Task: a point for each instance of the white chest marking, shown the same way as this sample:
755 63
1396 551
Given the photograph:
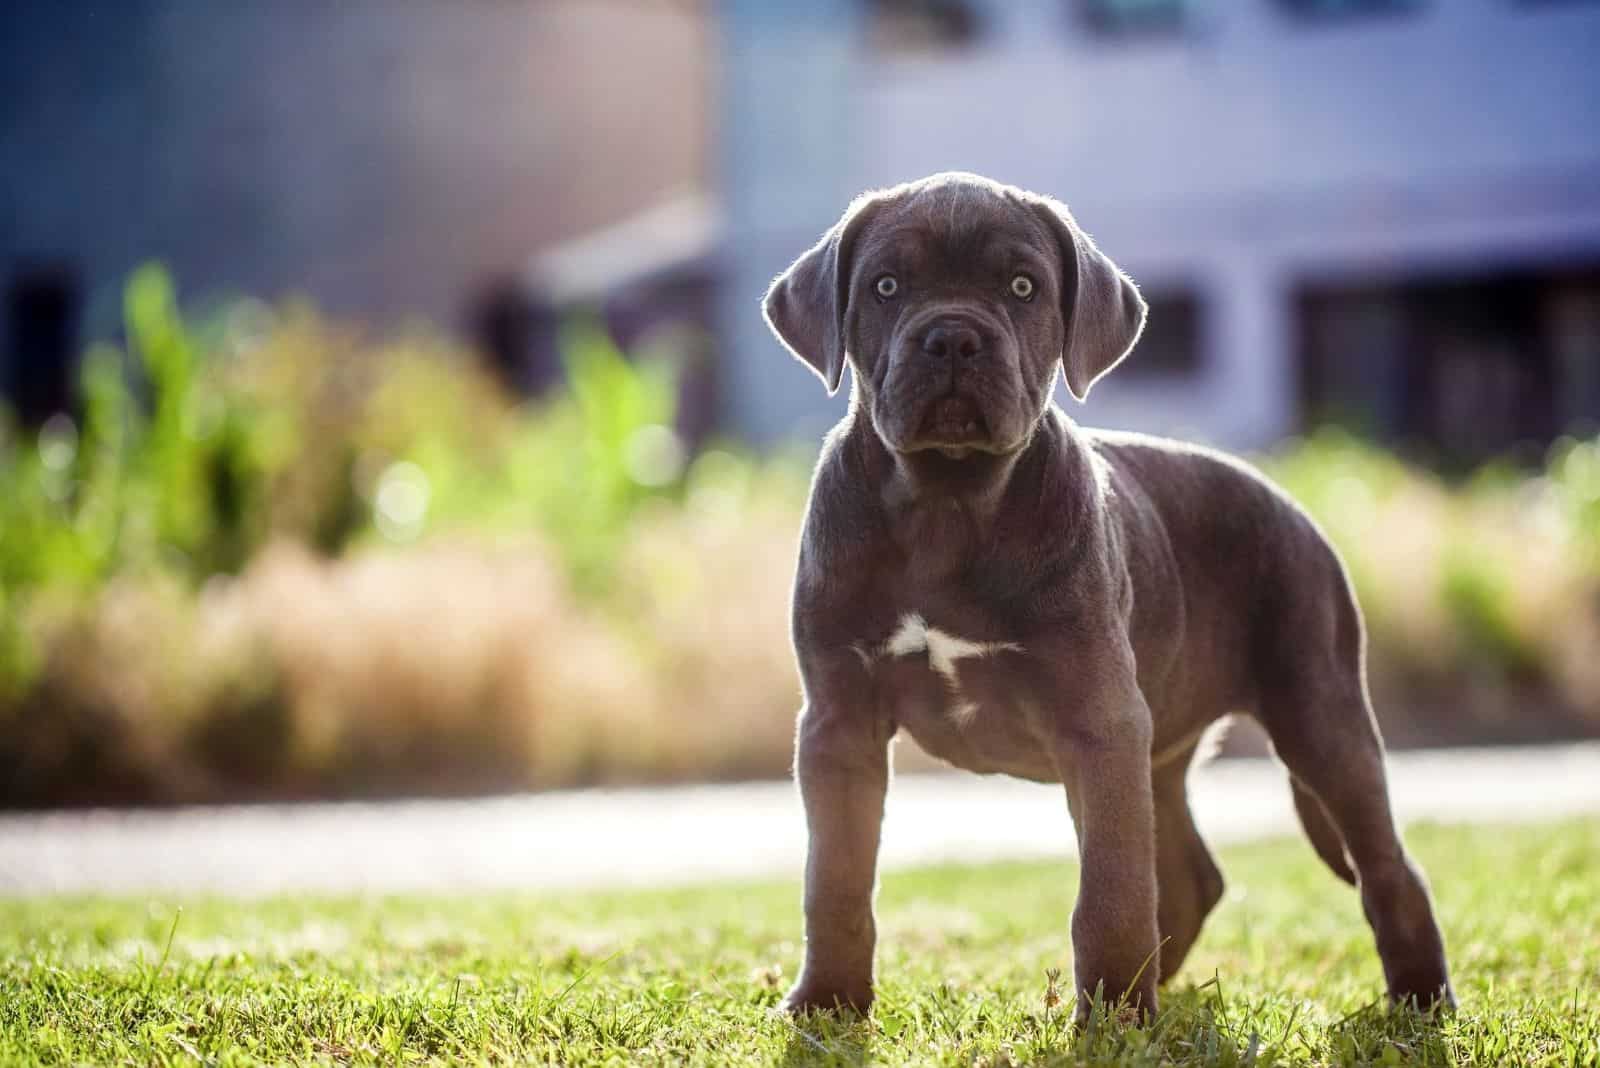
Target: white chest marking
944 652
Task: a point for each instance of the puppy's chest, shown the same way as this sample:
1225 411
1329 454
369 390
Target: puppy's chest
963 699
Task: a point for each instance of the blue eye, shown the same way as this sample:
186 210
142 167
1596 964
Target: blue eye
886 286
1022 287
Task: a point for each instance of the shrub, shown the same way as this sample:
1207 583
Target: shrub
282 559
277 558
1482 600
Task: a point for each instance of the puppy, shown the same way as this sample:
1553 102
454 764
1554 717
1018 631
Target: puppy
1027 597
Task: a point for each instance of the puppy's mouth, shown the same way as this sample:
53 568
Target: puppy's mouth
954 425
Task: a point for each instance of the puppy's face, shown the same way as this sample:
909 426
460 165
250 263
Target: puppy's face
953 319
957 300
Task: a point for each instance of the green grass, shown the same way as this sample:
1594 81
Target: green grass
1284 973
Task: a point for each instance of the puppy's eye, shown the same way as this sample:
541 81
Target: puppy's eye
1022 287
886 286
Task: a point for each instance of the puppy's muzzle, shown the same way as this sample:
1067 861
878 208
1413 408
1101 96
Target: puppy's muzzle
954 348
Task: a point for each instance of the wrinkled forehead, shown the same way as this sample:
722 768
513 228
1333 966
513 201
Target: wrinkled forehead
955 225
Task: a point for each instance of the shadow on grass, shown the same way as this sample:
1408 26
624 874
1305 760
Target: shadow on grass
1194 1028
1378 1032
825 1040
1193 1031
1198 1026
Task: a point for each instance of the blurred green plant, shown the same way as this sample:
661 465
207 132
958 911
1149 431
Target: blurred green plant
1574 477
574 467
175 482
1494 578
198 444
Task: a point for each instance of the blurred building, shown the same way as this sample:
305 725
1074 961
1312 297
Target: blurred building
1382 211
1385 212
391 160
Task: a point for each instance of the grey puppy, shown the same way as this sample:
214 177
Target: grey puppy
1024 596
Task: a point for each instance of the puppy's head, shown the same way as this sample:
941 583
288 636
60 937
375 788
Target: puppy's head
956 299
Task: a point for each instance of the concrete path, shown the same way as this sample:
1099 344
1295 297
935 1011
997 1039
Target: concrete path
696 834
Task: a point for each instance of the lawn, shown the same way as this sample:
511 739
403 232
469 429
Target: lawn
1284 973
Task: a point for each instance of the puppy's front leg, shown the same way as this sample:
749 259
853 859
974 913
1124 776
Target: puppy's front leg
842 764
1104 759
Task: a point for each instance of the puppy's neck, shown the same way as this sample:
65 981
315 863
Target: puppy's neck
914 488
976 482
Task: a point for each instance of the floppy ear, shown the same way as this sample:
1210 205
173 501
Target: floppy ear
806 304
1100 307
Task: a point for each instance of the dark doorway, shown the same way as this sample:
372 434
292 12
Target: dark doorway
1456 369
43 304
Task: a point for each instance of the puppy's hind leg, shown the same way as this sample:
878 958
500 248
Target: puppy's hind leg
1309 658
1325 837
1326 735
1188 884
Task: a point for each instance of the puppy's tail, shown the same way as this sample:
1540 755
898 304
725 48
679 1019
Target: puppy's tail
1325 837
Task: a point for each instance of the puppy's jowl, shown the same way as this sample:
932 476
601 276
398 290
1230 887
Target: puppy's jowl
1024 596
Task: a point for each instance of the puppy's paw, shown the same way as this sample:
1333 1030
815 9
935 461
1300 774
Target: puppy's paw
1136 1009
1426 996
809 997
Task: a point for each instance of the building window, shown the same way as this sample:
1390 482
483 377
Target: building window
1170 344
911 26
1343 8
1457 369
1133 16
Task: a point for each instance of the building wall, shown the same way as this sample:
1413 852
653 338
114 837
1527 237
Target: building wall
383 158
789 100
1247 153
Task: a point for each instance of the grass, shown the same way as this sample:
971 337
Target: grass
1284 974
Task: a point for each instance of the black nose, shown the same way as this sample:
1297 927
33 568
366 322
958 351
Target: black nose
950 340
